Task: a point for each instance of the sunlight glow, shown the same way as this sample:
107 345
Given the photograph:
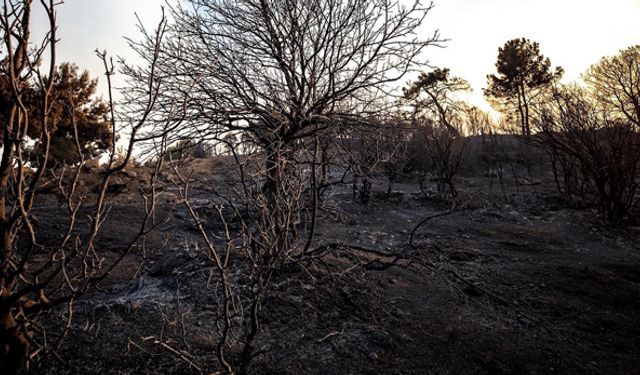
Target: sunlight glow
572 33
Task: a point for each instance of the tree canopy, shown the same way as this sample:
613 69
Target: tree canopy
615 83
521 70
439 87
279 69
73 99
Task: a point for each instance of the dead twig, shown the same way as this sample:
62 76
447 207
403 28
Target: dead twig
330 335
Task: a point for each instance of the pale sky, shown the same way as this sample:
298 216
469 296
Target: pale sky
572 33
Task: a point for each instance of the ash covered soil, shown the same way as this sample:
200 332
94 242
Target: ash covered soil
525 285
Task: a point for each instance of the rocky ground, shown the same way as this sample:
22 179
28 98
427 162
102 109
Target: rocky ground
523 286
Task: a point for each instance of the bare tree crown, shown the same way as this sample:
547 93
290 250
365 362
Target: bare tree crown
285 65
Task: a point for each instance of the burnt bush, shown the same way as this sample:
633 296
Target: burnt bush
595 157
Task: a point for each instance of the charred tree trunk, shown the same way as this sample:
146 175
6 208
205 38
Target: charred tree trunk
14 344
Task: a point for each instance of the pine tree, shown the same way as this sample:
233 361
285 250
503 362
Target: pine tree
522 71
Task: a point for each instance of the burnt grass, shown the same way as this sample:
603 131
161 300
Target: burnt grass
522 286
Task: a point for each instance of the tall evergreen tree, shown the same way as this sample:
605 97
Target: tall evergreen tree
73 98
521 71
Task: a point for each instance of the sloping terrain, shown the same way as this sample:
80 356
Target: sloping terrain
528 287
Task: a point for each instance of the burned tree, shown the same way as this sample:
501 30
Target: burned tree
439 115
599 153
282 71
439 100
615 82
38 275
279 75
